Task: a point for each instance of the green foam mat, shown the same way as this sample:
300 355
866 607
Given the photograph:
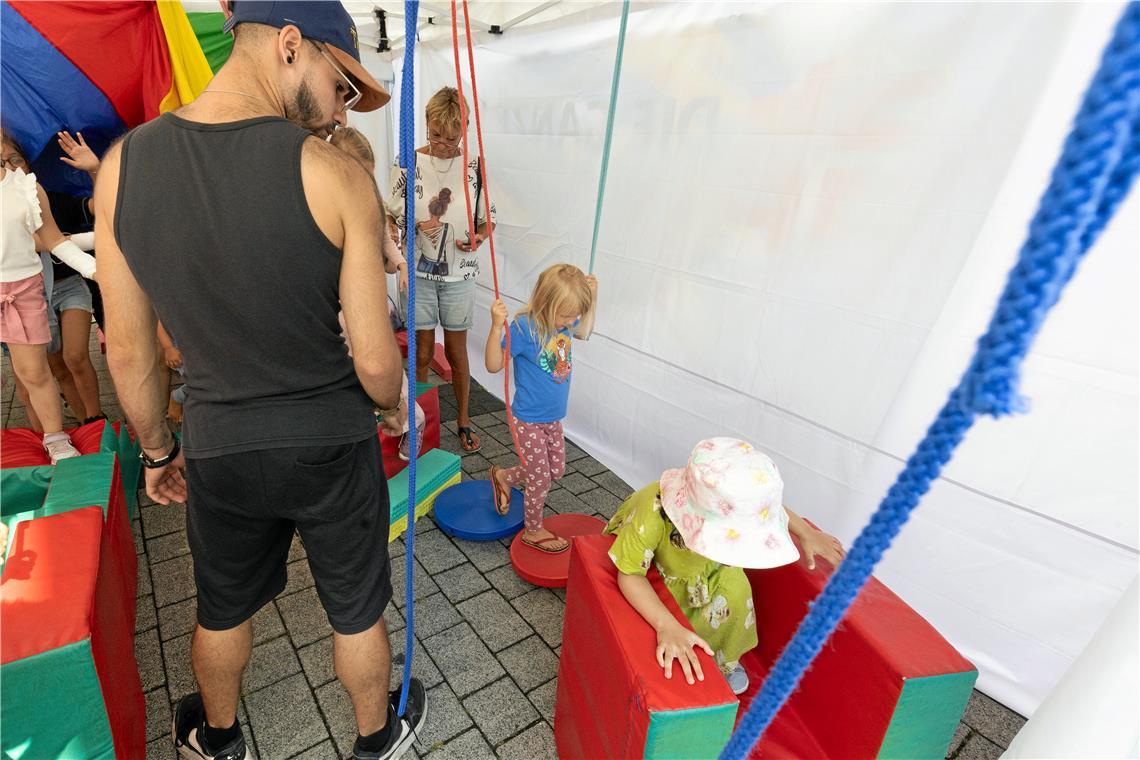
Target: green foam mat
700 732
433 470
926 715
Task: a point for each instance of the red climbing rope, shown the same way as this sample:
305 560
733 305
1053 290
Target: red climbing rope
481 165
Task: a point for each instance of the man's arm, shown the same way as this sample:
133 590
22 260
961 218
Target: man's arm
132 351
345 204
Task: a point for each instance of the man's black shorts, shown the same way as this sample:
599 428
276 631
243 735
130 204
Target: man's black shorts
241 512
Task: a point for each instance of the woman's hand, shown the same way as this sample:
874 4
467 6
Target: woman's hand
675 642
78 154
466 246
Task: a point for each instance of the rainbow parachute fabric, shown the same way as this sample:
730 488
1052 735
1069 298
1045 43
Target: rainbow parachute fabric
96 67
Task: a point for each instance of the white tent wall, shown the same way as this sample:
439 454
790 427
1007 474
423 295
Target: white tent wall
810 211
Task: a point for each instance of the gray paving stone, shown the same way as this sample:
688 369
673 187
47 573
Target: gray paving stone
446 719
304 618
396 548
536 743
468 746
494 620
142 582
178 618
285 718
422 666
299 577
323 751
961 733
148 655
500 710
563 502
179 675
317 662
978 747
136 534
474 464
589 466
573 452
614 485
266 624
269 663
484 555
501 432
436 552
435 614
296 549
161 519
464 660
157 714
161 749
543 698
576 483
506 458
173 580
991 719
337 709
543 610
145 615
508 582
462 582
530 662
601 501
167 547
423 584
424 526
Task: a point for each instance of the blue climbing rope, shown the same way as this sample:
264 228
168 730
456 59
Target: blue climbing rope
408 162
1098 164
609 132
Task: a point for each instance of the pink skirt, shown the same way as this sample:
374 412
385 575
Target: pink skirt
23 312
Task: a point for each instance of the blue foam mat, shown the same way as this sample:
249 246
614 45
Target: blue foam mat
467 510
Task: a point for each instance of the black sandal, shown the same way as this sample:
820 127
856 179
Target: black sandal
467 440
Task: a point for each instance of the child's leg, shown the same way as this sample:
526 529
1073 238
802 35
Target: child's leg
556 450
536 473
728 621
29 363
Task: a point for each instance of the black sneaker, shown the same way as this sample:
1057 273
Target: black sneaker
405 730
188 731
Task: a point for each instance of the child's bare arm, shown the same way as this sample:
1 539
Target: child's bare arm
494 355
814 542
674 641
586 326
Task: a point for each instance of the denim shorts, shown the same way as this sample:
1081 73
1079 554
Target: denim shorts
66 294
450 304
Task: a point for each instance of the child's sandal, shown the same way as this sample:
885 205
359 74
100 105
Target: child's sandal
541 544
502 495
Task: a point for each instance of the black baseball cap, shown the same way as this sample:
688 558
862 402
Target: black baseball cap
325 21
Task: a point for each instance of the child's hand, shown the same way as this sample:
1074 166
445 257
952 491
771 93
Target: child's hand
498 313
172 356
402 278
592 282
817 543
677 642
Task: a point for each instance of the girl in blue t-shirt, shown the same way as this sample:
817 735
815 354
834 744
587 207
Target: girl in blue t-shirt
560 309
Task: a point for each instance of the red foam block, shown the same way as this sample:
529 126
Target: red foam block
21 447
390 445
552 570
609 682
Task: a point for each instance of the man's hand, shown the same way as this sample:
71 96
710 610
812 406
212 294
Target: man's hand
167 484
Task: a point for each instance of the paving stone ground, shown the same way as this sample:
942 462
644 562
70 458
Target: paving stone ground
487 642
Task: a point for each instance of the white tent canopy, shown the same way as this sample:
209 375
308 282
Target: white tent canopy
810 212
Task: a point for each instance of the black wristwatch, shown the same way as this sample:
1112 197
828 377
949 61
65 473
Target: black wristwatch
154 464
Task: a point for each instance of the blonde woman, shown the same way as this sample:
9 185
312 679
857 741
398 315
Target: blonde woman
446 262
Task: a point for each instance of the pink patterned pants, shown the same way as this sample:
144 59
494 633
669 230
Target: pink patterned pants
544 450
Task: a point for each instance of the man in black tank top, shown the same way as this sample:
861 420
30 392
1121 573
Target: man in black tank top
244 233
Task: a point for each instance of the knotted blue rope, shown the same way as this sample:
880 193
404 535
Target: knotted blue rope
408 162
1098 164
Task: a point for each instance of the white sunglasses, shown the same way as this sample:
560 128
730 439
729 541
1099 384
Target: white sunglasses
352 97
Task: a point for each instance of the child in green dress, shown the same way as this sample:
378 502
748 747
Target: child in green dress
699 526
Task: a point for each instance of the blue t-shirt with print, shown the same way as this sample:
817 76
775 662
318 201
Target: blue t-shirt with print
542 373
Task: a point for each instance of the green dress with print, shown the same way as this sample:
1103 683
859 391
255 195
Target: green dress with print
716 599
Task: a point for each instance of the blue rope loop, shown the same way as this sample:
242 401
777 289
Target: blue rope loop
408 162
1096 169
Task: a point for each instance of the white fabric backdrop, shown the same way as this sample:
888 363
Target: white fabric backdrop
810 212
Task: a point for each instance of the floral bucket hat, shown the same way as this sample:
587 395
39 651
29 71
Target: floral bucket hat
727 504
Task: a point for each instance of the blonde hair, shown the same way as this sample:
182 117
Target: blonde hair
444 109
355 144
560 288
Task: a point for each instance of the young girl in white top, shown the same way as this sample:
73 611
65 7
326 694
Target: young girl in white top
28 227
